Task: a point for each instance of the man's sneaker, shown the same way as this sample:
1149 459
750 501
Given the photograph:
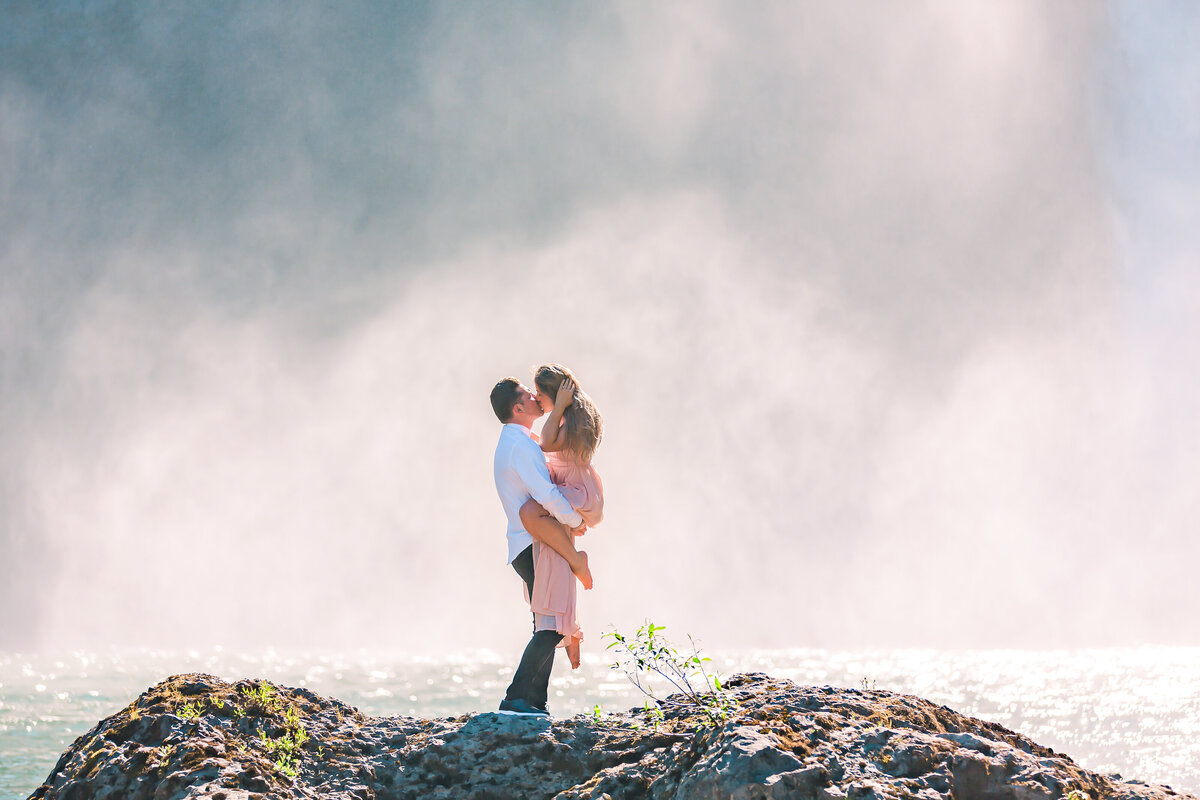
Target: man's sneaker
522 708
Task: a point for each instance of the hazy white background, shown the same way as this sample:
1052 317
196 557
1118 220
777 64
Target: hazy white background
891 312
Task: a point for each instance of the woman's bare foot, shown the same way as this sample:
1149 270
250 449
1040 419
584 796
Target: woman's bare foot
581 569
573 653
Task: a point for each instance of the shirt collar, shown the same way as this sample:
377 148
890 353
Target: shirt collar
516 426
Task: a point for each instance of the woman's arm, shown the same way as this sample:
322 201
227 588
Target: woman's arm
553 438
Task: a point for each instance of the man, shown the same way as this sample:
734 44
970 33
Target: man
521 473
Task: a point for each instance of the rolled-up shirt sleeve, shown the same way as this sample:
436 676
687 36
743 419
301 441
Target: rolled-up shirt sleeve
531 467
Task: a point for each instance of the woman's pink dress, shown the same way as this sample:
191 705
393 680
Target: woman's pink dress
554 587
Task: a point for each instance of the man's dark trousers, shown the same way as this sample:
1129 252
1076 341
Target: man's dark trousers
532 677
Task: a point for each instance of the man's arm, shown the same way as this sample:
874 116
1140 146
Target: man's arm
531 468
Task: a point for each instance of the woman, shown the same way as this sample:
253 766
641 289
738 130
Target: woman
569 438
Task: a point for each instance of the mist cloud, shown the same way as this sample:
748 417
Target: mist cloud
846 284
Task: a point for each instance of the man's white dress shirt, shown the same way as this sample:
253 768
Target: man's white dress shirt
521 473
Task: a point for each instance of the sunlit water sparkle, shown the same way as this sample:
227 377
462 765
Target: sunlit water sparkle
1135 711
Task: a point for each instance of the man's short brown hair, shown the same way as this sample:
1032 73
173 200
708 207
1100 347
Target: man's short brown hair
505 395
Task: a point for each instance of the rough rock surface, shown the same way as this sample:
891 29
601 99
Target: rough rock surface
196 736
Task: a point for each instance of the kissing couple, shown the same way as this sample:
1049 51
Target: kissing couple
551 494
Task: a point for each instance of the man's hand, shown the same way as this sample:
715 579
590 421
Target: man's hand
566 393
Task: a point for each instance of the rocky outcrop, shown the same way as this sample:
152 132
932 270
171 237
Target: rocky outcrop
196 736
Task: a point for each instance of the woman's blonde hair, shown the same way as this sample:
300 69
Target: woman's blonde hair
582 426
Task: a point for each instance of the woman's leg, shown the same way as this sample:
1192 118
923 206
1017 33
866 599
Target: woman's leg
552 533
573 653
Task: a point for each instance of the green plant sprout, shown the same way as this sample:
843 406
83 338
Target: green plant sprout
285 749
263 695
649 652
164 756
654 712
